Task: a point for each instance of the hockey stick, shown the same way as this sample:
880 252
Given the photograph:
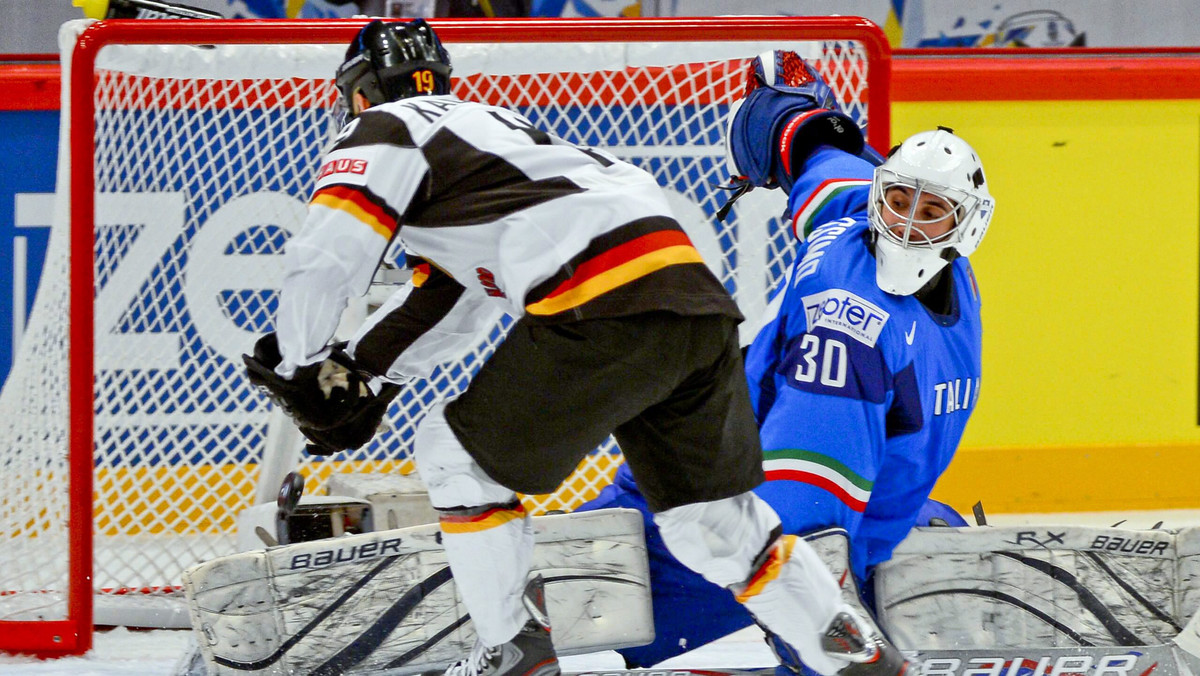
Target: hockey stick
1176 658
1160 660
687 671
1179 656
1169 659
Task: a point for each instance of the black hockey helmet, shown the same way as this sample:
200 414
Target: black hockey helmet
393 61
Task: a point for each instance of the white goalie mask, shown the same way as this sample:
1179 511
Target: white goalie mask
929 163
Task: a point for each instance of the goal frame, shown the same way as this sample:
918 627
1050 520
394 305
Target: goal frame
73 635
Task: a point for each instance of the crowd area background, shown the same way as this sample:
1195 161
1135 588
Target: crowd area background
30 26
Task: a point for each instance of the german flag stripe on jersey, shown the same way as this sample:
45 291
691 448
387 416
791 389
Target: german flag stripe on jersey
615 259
486 520
362 204
420 274
821 471
803 222
770 569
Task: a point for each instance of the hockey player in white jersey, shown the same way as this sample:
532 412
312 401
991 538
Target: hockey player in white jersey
621 329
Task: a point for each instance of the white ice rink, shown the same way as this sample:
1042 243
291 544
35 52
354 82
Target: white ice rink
121 652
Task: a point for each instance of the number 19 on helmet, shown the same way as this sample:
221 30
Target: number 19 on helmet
392 61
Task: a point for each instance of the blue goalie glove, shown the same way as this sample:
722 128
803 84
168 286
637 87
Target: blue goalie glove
785 114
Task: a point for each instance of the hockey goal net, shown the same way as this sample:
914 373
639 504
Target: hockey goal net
129 436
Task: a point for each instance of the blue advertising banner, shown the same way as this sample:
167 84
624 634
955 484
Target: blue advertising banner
28 154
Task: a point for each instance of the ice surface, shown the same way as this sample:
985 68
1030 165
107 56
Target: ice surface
121 652
115 652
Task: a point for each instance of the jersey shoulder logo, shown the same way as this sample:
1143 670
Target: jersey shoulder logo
487 279
910 334
342 166
848 313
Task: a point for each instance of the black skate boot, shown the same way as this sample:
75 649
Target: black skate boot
869 653
529 653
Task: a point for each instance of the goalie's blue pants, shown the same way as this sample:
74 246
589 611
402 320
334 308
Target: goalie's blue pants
690 611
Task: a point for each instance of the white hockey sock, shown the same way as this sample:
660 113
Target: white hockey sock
794 595
489 549
787 587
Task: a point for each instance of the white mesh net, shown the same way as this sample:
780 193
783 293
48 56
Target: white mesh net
204 161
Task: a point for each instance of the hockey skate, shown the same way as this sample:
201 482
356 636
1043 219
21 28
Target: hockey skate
529 653
869 653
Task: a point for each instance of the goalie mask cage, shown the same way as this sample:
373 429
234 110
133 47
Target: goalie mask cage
130 437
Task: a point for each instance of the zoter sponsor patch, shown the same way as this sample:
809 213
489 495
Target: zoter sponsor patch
846 312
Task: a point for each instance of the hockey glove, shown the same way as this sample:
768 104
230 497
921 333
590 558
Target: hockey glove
786 112
357 429
320 396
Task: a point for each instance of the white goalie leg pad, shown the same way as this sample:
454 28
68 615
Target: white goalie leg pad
789 590
486 534
365 603
832 546
1045 586
1187 595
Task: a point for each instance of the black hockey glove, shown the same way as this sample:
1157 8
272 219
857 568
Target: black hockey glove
356 430
329 401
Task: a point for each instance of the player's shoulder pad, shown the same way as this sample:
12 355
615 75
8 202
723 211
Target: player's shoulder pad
831 252
835 184
378 126
424 115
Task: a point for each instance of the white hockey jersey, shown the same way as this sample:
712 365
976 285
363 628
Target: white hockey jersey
505 215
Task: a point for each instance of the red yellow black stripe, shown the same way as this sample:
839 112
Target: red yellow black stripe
616 266
362 204
420 274
474 523
769 570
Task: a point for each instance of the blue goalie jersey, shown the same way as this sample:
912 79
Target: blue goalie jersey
861 396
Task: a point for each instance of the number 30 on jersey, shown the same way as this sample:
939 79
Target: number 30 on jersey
821 360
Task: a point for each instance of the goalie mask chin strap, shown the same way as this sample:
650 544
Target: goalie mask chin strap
740 185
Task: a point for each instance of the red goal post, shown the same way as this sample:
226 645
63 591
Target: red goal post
130 439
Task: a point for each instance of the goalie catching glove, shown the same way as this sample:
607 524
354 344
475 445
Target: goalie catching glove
786 113
329 401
